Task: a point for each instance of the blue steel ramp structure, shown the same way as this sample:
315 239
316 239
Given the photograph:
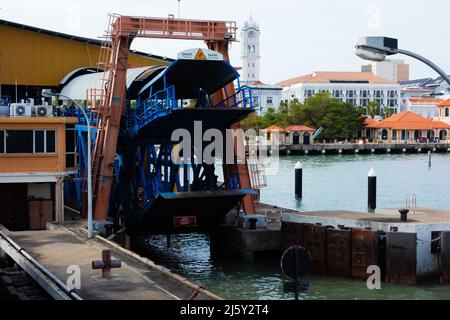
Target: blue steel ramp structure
152 192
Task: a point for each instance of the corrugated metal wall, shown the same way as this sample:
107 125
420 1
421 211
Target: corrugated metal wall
43 60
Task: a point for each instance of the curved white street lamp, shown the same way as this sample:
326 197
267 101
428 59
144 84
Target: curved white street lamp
377 48
90 226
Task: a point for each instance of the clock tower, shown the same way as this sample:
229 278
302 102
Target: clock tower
250 51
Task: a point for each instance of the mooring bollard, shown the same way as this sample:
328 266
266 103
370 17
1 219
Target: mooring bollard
372 192
403 214
429 158
106 264
298 179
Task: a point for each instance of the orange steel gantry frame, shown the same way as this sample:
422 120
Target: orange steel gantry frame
114 58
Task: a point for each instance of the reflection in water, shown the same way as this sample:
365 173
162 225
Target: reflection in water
189 256
330 182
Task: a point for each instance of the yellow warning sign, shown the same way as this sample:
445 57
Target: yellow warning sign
200 55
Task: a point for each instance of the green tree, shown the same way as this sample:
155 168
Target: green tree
373 108
386 113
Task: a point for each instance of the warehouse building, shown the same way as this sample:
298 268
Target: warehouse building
38 148
32 59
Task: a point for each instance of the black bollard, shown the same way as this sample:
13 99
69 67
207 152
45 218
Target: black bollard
372 195
298 180
253 223
403 214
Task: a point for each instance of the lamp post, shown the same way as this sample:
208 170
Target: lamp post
89 166
377 48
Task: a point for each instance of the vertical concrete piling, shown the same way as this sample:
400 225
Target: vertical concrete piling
429 158
372 190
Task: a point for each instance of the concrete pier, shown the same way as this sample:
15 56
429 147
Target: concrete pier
408 257
67 248
246 244
352 148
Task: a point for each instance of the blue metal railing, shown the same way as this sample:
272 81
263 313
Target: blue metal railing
163 102
243 98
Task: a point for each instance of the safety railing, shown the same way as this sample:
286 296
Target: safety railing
243 98
161 102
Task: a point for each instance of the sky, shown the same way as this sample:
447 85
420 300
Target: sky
297 36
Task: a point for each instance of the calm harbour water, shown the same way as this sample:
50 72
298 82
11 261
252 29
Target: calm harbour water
330 182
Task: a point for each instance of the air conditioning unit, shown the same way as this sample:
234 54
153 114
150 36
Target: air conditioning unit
44 111
20 110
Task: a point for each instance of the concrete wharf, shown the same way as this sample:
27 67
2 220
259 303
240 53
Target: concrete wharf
63 248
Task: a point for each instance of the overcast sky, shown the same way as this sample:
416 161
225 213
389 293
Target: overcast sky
298 36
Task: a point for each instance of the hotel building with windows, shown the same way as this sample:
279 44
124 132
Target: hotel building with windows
358 88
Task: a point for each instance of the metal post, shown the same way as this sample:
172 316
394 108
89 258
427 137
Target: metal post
372 190
429 158
298 179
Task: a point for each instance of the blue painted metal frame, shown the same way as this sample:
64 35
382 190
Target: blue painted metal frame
163 102
148 163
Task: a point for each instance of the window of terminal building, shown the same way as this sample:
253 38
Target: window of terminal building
269 100
50 141
19 141
71 146
29 141
39 141
2 141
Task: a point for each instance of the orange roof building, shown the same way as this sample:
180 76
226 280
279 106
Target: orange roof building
299 134
295 134
408 125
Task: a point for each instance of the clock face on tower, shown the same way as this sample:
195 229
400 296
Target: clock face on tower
251 34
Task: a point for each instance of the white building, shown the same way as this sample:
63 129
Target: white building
426 107
250 52
394 70
357 88
265 96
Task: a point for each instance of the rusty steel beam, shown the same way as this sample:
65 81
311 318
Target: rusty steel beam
365 252
445 257
292 234
315 241
401 260
339 252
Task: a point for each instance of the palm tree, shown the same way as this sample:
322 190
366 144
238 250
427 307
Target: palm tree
386 112
373 108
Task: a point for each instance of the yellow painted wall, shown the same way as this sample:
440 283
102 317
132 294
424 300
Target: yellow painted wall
15 163
43 60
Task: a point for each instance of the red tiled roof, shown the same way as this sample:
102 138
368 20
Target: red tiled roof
445 103
274 128
411 121
369 122
299 128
